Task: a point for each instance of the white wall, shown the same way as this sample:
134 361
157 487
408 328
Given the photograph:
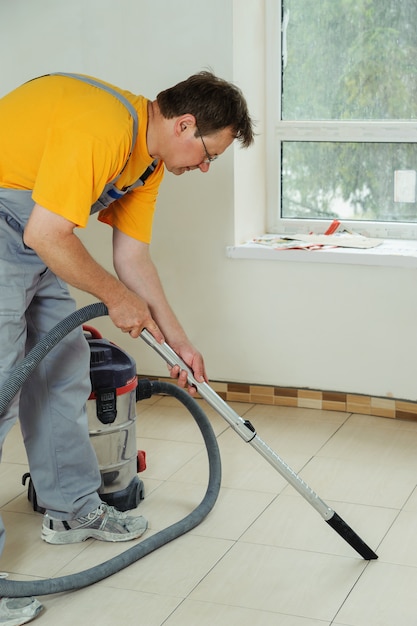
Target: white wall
341 328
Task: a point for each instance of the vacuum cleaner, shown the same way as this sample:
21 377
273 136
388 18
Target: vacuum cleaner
244 428
111 413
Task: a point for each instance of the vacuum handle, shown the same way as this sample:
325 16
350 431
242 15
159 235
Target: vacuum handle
168 354
242 427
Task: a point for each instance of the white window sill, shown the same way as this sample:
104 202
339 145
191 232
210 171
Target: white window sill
391 253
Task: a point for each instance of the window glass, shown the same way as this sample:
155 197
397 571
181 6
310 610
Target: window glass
349 59
349 181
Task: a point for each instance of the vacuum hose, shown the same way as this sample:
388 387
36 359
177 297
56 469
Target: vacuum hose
13 588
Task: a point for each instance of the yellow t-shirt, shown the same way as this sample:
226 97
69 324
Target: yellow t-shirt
65 140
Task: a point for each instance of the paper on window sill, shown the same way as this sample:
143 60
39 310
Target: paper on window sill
337 240
316 242
399 253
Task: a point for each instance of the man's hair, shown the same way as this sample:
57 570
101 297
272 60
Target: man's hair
215 103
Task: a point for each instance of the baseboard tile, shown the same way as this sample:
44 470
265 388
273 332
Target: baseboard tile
311 398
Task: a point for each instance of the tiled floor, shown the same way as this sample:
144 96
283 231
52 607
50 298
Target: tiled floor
263 555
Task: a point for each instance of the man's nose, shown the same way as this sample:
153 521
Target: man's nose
204 167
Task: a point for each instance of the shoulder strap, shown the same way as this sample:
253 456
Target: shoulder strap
116 94
145 175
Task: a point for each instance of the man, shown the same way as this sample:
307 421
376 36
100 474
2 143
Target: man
71 145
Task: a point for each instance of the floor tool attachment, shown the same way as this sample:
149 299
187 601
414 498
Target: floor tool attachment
248 433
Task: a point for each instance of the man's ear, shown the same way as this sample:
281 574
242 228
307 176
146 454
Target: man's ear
184 122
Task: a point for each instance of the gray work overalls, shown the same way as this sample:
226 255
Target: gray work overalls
51 407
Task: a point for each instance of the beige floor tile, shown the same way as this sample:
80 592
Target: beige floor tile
174 569
272 413
106 606
294 523
241 408
175 421
294 428
244 468
384 596
26 553
170 503
367 482
233 512
191 613
299 436
400 544
411 504
358 440
21 504
280 580
164 458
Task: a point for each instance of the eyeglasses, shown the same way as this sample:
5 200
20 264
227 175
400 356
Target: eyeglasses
209 159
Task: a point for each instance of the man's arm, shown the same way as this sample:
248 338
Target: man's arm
135 268
52 237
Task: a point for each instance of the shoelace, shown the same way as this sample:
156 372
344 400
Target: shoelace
112 511
105 513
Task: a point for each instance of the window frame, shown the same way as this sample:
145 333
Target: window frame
278 131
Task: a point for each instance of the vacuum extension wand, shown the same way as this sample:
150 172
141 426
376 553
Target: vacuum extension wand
248 433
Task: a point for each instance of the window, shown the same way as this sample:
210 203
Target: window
342 115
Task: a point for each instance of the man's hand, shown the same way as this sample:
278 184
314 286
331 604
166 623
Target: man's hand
195 362
131 314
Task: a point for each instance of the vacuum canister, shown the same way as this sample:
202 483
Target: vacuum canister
111 411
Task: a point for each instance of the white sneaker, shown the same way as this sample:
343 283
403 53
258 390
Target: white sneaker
105 523
17 611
